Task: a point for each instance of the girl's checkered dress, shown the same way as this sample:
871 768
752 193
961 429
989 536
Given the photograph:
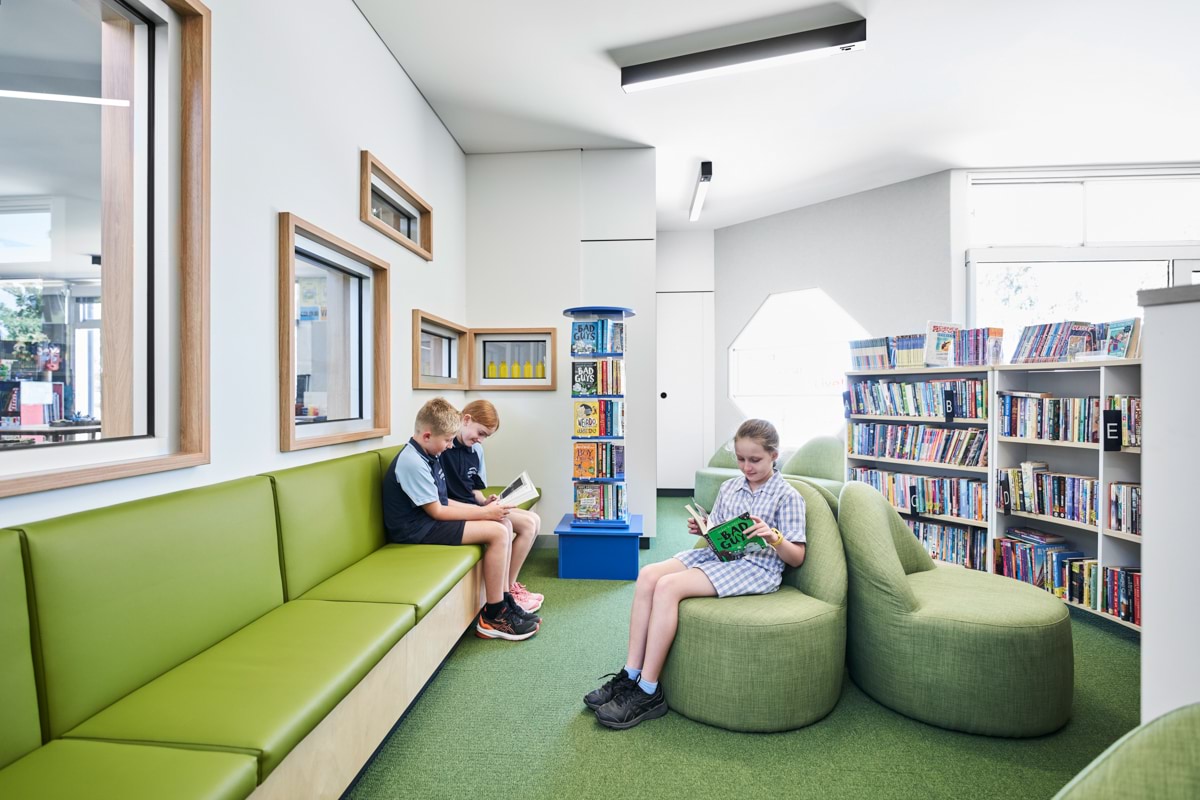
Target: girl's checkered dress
775 503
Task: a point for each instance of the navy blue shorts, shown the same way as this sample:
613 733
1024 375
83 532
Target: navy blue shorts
433 532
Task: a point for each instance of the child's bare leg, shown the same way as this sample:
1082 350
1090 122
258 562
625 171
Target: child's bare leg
525 525
643 595
508 526
495 537
664 616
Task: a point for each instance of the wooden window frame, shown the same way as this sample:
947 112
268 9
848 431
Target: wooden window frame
380 422
419 381
194 192
371 166
477 383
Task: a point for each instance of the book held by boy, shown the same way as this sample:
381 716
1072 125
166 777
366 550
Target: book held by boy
519 491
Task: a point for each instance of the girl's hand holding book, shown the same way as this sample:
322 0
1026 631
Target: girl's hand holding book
693 527
763 531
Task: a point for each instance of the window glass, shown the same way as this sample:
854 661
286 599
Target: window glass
1013 295
436 350
1143 210
795 381
75 78
1026 214
329 340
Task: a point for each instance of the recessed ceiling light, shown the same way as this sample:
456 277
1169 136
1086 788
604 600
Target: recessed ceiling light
759 54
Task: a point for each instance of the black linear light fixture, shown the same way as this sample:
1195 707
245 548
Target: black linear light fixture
748 56
702 182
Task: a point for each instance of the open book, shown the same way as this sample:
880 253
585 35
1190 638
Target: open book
519 491
728 540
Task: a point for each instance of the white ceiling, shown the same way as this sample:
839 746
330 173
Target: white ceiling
941 84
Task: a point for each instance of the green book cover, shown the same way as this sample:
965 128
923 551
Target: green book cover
728 540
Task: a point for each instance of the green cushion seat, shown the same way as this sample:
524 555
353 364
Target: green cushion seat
264 688
125 593
418 575
1159 759
330 516
69 770
784 652
950 646
21 730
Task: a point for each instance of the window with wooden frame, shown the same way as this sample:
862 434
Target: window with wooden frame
105 266
388 205
513 359
440 352
334 339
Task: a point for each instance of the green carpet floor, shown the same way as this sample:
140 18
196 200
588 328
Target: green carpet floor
505 720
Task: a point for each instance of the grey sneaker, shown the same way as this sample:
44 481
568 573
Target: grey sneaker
618 682
629 708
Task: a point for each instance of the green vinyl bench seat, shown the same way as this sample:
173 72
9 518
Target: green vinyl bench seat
261 690
417 575
70 770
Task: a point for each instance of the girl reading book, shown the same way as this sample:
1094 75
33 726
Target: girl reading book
777 510
466 477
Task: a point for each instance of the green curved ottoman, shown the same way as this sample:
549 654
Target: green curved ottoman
767 662
949 646
1160 759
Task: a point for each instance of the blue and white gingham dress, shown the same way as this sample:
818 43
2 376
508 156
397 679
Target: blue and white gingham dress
775 503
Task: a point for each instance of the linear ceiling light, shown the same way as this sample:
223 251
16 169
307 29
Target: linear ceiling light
63 98
702 182
745 57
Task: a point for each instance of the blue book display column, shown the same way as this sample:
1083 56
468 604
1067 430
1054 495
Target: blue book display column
599 538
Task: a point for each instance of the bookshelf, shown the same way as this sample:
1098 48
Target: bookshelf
1109 548
599 538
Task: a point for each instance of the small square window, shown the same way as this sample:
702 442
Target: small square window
389 206
439 352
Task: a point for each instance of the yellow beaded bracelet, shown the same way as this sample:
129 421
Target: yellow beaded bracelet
778 541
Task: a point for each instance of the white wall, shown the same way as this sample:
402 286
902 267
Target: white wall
548 231
882 255
298 87
685 261
1171 550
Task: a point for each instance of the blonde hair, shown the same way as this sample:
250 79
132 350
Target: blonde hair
484 413
760 431
438 417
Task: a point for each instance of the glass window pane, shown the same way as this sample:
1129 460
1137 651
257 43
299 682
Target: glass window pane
1013 295
329 342
1026 214
1143 210
795 382
24 236
435 355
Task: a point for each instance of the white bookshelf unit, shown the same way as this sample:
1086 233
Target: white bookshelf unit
1103 379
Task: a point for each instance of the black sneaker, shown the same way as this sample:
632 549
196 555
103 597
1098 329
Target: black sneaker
506 624
629 708
519 610
618 682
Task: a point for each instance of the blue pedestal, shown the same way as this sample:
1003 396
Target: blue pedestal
598 553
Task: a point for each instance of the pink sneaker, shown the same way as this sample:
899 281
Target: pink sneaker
530 601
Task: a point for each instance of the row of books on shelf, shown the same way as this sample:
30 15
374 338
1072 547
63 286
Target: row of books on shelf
1033 489
968 398
605 376
927 494
594 460
955 544
1130 407
966 447
1047 562
601 501
1038 415
1076 341
599 418
597 336
943 344
1125 507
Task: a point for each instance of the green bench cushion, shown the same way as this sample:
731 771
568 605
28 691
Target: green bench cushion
123 594
68 770
414 574
330 516
528 504
21 730
265 687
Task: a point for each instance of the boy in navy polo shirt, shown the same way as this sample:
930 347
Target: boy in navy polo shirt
416 509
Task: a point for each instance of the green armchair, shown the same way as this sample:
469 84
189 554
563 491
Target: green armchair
1160 759
793 642
953 647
